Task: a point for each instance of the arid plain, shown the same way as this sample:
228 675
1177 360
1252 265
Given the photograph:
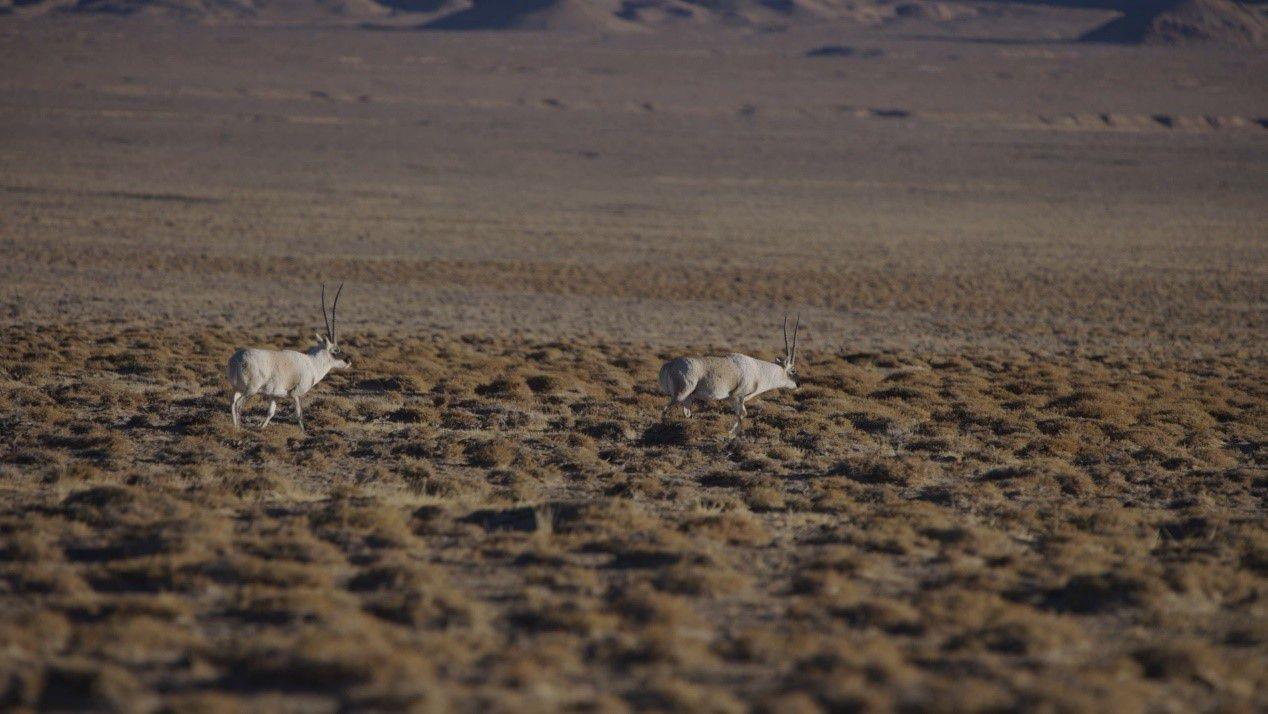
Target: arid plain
1025 469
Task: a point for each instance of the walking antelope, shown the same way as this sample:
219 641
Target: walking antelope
286 373
736 377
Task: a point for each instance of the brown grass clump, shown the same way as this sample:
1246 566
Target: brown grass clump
734 527
700 577
493 453
874 470
422 478
545 383
764 498
507 388
1100 405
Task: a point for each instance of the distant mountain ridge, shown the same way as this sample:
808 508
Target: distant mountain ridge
582 15
1157 22
533 15
1185 22
210 10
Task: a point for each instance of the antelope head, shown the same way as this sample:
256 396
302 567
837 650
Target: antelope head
328 345
789 360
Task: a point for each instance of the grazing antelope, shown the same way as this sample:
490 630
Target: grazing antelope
736 377
286 373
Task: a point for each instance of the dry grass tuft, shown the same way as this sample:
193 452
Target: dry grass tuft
493 453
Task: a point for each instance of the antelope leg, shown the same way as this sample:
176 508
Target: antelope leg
299 413
272 411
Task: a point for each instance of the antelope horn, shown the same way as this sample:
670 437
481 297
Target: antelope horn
787 353
796 329
334 308
324 317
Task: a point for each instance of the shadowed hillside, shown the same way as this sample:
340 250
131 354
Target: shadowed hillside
602 16
533 15
256 11
1223 22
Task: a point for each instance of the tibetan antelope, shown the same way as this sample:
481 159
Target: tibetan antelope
285 373
736 377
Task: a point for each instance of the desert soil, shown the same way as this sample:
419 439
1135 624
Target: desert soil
1025 469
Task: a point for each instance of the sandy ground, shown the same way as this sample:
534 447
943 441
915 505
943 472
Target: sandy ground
1026 465
945 193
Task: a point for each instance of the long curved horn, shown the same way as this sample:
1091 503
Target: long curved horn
334 307
787 352
324 317
796 329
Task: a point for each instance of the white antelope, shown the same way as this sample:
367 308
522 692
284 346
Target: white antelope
285 373
736 377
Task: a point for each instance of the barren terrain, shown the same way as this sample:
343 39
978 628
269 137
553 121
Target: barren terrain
1026 466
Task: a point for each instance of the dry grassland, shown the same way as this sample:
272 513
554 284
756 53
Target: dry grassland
475 522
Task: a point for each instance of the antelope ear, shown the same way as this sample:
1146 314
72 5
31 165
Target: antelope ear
321 340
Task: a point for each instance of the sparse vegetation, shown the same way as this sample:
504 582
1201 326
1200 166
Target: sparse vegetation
899 552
